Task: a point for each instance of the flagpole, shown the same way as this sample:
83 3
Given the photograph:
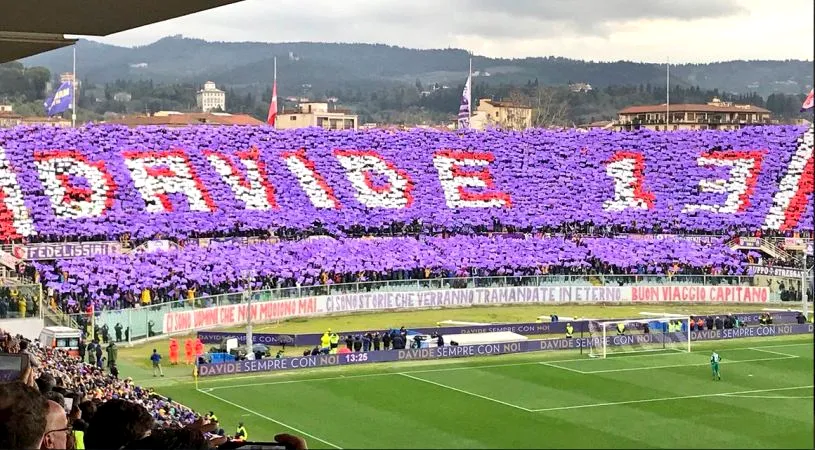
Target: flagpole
73 93
470 100
668 94
274 92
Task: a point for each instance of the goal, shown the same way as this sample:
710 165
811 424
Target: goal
670 333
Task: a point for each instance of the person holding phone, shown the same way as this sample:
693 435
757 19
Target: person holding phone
13 367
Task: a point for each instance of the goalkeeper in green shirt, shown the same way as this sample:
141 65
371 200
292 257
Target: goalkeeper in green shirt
715 359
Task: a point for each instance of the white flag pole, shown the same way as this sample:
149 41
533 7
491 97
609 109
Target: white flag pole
470 92
73 92
668 94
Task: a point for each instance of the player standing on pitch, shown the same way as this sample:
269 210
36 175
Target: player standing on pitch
715 359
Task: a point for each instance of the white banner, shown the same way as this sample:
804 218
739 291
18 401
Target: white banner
8 260
703 294
222 316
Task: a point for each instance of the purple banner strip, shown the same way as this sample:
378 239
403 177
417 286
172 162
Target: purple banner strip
274 365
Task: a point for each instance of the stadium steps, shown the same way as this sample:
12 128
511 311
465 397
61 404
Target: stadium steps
54 316
763 245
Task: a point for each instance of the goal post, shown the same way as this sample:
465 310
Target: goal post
652 334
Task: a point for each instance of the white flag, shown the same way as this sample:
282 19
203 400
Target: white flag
464 109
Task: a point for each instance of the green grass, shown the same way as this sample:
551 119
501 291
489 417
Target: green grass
559 399
544 400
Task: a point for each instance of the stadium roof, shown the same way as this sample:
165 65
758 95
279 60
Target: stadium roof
19 45
30 27
688 107
185 119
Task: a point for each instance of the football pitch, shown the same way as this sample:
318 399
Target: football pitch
546 400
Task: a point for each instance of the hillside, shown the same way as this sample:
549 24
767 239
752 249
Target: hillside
327 67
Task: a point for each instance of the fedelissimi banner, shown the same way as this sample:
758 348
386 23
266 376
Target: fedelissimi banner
283 364
220 316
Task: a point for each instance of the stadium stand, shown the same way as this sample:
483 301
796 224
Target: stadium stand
58 376
398 205
118 281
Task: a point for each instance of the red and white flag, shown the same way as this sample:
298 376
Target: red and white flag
809 102
270 119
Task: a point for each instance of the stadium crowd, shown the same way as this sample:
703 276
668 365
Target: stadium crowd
541 202
141 279
118 281
57 401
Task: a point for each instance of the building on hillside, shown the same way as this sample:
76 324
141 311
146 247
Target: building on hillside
598 125
5 108
122 97
317 114
500 114
580 87
714 115
9 119
178 119
69 76
55 121
211 98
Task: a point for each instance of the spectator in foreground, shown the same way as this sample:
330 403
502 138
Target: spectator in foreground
117 423
78 427
171 439
57 431
22 416
46 383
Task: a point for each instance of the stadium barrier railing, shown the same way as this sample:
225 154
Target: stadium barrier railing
145 321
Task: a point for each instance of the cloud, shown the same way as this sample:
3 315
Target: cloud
692 30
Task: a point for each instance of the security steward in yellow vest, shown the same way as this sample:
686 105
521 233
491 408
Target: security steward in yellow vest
79 439
335 342
325 342
569 330
241 434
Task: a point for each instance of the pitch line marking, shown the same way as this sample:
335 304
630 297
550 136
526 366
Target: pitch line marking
442 369
484 397
665 399
564 368
772 397
759 349
671 366
308 435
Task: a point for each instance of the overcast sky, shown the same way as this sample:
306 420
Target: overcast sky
607 30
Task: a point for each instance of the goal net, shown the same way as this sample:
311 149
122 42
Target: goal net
639 335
